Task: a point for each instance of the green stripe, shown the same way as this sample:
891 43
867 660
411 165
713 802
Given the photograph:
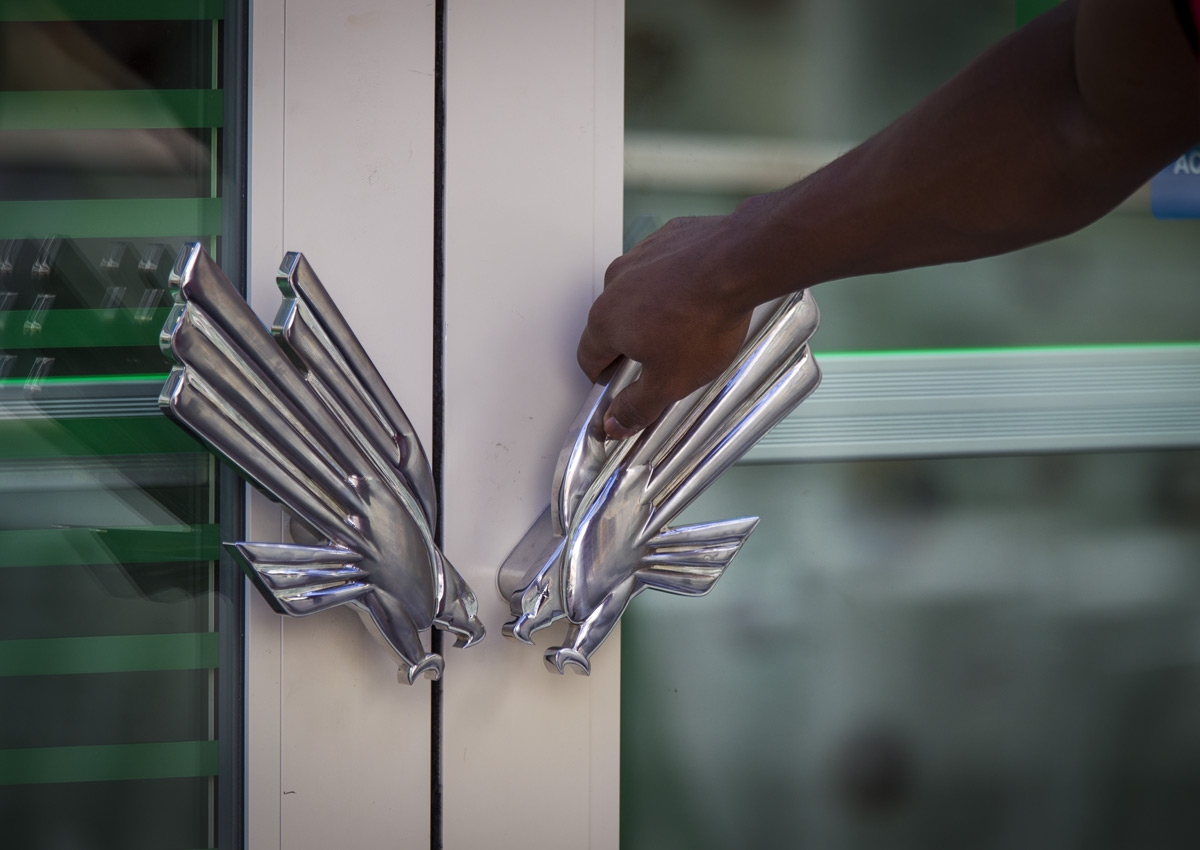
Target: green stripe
47 547
131 435
110 110
118 326
86 379
1027 10
125 218
120 654
1133 347
108 763
111 10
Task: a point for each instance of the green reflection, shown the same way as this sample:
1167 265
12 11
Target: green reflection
1027 10
86 437
117 654
110 110
104 328
86 379
1028 349
111 219
111 10
42 547
114 614
108 763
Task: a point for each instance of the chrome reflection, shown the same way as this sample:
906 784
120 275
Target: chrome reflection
605 538
307 418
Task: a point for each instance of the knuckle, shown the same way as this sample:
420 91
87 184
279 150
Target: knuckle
593 353
627 413
587 363
614 269
597 309
634 411
600 321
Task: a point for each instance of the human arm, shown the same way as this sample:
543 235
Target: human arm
1041 135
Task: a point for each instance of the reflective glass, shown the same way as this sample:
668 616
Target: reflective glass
119 625
992 652
964 652
726 98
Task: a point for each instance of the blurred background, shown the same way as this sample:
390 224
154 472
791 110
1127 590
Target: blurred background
729 98
932 648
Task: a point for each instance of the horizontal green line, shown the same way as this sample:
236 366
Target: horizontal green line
111 110
1016 349
111 10
118 326
1027 10
46 547
119 654
40 765
89 379
126 435
111 219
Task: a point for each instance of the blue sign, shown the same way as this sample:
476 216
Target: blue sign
1175 191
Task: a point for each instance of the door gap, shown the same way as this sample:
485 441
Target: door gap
439 405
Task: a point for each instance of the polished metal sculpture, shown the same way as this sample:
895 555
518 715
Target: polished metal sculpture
307 418
605 538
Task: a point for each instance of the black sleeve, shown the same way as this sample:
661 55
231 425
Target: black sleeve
1183 11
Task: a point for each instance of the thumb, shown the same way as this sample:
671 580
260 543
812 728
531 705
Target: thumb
634 408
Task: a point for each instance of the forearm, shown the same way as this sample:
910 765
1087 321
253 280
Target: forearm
1041 135
1012 151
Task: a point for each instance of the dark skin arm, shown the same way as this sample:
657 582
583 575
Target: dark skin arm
1040 136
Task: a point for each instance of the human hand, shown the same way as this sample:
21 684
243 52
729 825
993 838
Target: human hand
673 304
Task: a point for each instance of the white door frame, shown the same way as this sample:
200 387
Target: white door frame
341 168
533 216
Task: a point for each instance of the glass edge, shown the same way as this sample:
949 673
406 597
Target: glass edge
230 798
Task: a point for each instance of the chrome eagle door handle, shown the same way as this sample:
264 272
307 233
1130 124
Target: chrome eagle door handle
605 536
303 414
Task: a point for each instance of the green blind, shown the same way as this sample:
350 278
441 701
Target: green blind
115 152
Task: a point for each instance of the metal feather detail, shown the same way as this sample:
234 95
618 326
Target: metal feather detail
605 536
303 414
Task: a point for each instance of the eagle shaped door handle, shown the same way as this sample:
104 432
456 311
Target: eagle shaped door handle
303 413
606 535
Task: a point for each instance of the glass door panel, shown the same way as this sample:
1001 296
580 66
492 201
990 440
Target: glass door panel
727 99
958 652
119 624
951 652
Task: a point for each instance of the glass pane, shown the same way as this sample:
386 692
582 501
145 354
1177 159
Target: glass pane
725 99
965 652
119 626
